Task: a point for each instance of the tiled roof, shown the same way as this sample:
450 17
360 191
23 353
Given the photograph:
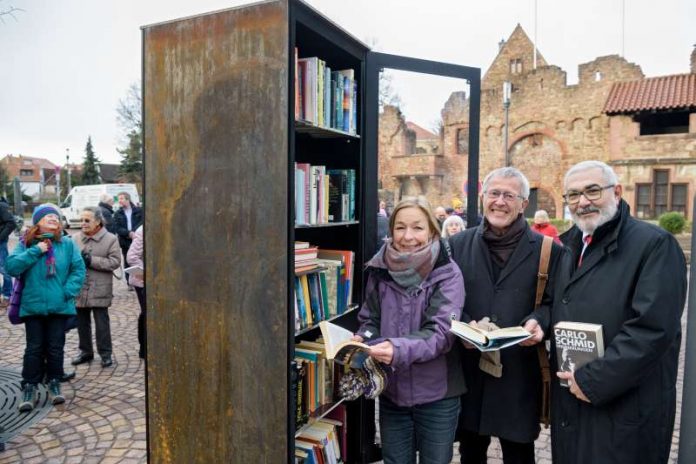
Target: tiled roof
655 93
421 134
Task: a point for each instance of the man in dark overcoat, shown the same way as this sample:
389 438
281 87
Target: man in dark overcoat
500 260
126 220
630 277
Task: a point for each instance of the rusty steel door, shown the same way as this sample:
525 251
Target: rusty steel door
216 169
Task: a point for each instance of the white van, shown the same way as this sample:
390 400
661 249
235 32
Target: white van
88 195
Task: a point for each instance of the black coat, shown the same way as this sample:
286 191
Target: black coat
7 222
633 282
508 406
121 225
108 213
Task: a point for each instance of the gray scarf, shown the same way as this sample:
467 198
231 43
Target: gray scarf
410 269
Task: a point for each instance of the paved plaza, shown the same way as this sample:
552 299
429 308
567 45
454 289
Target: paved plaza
103 419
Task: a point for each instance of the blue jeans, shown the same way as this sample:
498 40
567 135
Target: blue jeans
43 354
426 428
6 278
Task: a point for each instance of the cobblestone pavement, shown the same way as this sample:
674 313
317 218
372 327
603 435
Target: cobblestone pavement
103 418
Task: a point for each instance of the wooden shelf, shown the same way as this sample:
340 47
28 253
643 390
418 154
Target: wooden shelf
306 127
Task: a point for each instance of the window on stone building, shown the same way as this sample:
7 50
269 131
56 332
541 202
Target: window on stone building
516 66
26 172
643 200
463 141
597 76
661 184
663 123
659 196
679 198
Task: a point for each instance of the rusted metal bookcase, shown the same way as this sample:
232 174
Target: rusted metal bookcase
220 143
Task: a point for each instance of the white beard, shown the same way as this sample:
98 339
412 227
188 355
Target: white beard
589 225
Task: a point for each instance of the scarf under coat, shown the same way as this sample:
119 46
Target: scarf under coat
501 246
50 254
410 269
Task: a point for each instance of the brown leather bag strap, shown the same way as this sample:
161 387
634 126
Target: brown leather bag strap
543 275
542 279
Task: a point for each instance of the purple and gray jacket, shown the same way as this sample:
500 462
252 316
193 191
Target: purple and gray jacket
427 361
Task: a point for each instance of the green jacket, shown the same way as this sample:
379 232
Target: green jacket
44 295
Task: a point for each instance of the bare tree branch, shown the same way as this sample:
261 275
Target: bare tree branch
9 11
129 110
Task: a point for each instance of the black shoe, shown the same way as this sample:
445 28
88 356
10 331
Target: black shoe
54 390
67 376
107 361
82 358
28 398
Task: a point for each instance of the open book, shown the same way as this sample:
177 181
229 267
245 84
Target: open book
340 347
136 271
489 341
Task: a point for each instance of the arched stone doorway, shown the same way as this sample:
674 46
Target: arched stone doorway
538 156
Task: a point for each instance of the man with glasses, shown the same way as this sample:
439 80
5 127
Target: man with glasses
500 260
630 277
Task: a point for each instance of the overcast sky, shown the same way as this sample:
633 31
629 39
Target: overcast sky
64 64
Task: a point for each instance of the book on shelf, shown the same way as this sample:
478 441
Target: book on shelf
326 371
577 343
339 417
325 97
346 258
306 254
340 347
489 341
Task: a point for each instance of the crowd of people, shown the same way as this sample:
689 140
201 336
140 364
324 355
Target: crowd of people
66 281
608 268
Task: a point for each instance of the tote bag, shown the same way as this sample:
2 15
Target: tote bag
15 301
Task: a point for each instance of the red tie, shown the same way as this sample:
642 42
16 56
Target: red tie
587 240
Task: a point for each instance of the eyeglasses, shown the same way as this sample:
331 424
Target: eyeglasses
507 196
85 220
592 193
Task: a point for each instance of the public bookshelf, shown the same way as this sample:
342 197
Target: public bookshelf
261 181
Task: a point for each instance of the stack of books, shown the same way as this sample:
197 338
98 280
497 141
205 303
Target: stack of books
323 286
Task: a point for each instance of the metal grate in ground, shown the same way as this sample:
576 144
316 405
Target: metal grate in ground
11 420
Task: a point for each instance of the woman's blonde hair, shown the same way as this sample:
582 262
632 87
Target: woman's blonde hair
422 204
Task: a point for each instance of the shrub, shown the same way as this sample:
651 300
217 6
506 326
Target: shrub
672 222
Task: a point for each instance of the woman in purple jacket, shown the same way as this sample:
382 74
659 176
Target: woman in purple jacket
413 292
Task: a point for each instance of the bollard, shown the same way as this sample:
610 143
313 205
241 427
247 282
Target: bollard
687 446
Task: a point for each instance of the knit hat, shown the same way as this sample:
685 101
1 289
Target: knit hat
43 210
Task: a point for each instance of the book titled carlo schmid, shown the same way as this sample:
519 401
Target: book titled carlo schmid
577 343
